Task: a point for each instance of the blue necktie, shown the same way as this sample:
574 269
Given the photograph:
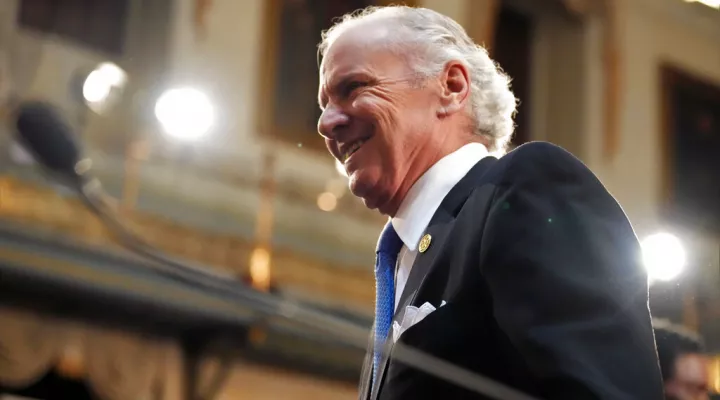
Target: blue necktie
387 251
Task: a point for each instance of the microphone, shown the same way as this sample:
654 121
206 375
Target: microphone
44 132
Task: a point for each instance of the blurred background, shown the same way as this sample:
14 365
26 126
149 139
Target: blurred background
199 117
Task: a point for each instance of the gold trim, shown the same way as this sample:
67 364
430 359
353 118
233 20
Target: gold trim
293 270
100 278
613 80
667 82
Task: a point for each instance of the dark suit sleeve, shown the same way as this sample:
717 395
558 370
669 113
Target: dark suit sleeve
562 264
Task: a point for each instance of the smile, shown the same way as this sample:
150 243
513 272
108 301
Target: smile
352 148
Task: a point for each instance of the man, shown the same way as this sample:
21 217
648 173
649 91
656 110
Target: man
522 269
685 369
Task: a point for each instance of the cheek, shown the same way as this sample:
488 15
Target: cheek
382 110
400 125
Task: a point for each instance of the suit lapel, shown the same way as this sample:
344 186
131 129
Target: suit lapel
438 229
420 270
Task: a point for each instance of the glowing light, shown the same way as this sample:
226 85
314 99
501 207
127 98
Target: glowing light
103 86
95 88
327 201
664 256
71 363
185 113
260 268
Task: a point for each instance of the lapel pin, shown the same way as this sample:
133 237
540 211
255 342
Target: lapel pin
424 243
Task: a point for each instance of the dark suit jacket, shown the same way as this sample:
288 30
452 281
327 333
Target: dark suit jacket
545 292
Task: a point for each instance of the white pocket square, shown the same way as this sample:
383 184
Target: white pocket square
412 316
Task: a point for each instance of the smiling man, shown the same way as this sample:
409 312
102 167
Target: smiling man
523 269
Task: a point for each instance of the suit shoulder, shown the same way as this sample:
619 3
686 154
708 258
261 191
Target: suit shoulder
540 158
540 150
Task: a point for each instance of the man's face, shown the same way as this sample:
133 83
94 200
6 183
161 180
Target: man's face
378 116
690 381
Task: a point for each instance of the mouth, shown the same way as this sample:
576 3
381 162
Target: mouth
348 150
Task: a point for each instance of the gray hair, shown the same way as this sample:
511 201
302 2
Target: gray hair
492 103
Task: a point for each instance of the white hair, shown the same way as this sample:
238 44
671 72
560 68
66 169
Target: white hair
492 103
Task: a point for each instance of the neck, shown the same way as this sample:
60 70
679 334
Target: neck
424 159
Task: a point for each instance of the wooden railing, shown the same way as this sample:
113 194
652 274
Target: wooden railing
43 208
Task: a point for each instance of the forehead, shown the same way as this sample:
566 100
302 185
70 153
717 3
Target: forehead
360 48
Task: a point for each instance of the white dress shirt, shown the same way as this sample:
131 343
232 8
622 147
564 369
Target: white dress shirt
423 199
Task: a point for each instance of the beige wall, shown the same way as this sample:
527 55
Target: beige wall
39 66
256 382
655 31
652 36
251 382
43 66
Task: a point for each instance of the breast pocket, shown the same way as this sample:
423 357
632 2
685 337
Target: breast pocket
448 333
441 332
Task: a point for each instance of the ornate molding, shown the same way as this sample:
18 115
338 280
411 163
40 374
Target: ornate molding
318 279
695 17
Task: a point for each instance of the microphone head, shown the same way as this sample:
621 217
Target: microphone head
43 131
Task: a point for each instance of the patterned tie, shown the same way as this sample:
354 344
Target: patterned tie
386 257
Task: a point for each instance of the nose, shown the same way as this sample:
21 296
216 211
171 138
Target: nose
332 120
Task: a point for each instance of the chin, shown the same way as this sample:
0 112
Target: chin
357 185
368 204
373 190
363 185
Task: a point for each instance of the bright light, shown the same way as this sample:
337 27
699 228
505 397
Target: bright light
260 268
664 256
102 85
710 3
185 113
327 201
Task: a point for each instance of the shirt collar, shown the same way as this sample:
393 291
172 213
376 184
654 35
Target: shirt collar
426 195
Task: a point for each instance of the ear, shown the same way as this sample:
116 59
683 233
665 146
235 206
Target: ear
455 85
